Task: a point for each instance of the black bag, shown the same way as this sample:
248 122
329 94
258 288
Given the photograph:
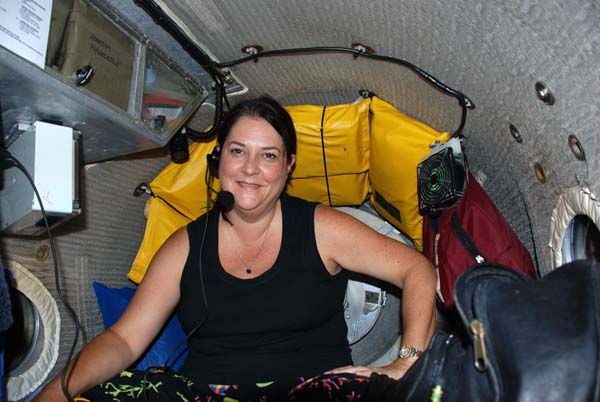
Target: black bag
524 340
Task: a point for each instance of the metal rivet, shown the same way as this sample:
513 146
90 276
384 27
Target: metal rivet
576 147
544 94
539 172
41 253
515 133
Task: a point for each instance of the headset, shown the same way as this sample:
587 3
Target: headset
225 198
212 162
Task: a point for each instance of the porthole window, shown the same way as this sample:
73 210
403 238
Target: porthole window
34 338
582 240
574 233
24 337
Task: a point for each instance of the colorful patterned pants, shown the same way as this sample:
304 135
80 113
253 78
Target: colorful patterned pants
170 386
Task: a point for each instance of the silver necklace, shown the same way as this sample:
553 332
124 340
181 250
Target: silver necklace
248 267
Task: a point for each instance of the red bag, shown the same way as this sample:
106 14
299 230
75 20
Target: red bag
467 234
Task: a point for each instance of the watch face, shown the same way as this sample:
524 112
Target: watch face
408 351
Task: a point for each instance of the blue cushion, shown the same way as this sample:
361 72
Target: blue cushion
113 301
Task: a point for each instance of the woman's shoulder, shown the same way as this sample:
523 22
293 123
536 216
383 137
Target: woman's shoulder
298 212
333 221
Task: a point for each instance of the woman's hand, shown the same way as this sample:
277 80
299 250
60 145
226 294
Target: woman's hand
395 370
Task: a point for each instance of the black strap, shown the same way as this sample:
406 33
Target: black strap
466 240
324 158
434 223
388 207
526 209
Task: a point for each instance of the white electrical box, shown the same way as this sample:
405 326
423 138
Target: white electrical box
50 153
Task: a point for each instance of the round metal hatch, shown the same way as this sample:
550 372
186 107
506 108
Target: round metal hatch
582 240
574 227
34 338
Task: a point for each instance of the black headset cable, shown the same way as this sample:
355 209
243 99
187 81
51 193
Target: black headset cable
16 163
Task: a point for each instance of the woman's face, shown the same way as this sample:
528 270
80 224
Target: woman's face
254 165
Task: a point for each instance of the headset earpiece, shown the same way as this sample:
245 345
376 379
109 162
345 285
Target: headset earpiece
212 160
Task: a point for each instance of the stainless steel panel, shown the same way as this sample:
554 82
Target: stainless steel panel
28 94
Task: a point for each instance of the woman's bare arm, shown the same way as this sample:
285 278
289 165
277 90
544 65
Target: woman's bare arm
120 345
344 241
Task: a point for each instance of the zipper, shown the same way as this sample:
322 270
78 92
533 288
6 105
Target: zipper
479 352
438 286
436 241
465 240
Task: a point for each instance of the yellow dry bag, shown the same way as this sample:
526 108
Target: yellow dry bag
332 161
183 187
398 144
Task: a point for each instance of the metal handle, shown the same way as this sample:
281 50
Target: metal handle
83 75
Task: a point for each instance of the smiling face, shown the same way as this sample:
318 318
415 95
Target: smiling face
253 164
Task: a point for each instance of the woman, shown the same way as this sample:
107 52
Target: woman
265 299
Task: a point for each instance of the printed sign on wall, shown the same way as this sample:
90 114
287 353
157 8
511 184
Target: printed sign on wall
24 28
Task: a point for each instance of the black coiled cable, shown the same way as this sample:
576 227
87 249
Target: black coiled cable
220 98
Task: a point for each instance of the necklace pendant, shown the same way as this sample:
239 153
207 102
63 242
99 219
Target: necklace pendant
248 270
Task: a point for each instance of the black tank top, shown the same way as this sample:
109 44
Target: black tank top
286 323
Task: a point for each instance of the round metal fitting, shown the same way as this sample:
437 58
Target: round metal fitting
515 133
228 78
544 94
540 175
41 253
576 147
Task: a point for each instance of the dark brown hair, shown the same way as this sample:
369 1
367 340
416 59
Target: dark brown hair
266 108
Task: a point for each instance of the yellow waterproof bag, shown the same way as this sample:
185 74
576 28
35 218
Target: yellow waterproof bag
179 197
398 144
345 141
332 160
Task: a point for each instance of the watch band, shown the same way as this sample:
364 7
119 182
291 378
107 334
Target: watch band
408 352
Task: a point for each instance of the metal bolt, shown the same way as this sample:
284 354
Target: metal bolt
515 133
576 147
41 253
544 94
539 172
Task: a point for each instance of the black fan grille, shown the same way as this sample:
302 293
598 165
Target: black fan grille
440 182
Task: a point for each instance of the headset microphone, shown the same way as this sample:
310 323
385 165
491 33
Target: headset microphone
225 200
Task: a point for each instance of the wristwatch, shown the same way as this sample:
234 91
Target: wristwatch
407 352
